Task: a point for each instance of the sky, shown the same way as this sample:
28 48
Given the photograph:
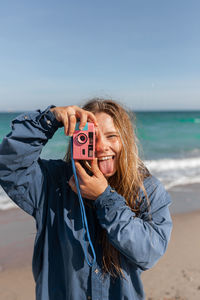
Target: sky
143 53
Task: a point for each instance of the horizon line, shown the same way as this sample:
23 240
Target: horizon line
134 110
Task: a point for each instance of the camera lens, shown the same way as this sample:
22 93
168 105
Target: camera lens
82 138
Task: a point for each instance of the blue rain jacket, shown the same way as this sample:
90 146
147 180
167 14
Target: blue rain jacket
40 187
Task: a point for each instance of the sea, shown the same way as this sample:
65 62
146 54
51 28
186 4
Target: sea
168 142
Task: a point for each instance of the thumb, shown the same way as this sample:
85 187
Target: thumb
95 168
72 184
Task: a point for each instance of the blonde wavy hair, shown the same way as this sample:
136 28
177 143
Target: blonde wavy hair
129 177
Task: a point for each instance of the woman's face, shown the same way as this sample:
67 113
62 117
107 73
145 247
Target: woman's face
108 144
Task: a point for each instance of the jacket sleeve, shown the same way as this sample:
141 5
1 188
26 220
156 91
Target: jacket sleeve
144 239
21 174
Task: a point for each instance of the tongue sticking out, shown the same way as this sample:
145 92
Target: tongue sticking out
106 166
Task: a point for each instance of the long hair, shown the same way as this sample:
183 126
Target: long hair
129 177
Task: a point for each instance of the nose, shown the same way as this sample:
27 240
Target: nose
101 143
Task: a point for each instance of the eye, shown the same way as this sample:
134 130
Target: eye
112 136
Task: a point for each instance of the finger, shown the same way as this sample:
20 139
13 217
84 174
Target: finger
83 120
96 131
81 173
72 123
87 116
91 117
95 168
65 123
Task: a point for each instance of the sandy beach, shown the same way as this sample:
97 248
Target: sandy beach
17 232
176 275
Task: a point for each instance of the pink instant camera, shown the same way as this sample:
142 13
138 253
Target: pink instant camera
84 142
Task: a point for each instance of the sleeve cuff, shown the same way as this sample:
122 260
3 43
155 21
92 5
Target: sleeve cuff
109 198
49 118
109 206
48 121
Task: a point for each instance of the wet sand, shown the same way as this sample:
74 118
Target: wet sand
17 233
176 275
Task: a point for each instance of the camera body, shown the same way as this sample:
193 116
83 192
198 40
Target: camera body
84 142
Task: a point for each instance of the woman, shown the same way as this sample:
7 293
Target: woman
127 208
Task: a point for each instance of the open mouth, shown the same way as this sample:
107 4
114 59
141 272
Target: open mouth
106 157
107 164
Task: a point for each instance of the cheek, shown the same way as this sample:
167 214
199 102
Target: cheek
118 147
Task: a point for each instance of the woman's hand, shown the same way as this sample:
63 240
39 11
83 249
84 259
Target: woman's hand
68 115
91 187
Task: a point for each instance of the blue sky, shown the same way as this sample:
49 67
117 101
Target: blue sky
144 53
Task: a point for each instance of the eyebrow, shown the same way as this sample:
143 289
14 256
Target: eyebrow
111 132
108 133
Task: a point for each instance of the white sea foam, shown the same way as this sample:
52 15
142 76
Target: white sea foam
173 172
173 164
182 181
5 201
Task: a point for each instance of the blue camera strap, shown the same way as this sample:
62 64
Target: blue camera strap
83 214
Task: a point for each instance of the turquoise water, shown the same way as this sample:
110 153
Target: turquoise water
169 134
55 148
169 145
161 135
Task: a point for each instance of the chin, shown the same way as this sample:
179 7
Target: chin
109 174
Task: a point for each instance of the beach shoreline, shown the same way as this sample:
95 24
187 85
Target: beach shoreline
175 276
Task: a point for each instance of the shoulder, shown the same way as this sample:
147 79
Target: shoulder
156 194
152 185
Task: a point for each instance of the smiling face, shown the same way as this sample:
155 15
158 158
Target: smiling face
108 144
